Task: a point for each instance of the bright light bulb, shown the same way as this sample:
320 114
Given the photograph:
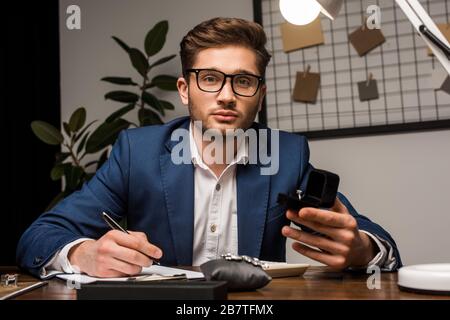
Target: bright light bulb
300 12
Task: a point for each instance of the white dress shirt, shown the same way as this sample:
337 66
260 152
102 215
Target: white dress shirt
215 217
215 206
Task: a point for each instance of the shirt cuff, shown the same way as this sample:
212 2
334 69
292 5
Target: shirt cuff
385 258
59 263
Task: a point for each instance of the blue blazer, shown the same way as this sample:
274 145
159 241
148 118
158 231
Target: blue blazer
140 182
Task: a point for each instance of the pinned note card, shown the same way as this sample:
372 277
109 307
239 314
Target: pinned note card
445 29
365 40
306 86
368 90
440 80
299 37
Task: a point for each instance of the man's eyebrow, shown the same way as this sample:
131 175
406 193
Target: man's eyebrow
234 72
244 71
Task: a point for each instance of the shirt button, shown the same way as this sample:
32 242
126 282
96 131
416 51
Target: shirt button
217 187
213 228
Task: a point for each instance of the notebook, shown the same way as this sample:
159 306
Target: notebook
152 273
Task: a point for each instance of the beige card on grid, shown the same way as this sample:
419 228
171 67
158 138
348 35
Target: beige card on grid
306 87
365 40
299 37
445 29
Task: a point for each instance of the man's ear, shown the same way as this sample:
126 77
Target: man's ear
261 96
183 90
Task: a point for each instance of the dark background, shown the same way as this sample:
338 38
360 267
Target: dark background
29 55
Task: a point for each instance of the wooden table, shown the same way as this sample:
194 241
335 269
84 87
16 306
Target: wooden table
317 283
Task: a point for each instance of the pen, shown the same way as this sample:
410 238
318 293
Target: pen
115 226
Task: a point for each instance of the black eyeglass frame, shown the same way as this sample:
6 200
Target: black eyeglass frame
231 76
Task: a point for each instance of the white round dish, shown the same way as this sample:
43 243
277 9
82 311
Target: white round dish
433 277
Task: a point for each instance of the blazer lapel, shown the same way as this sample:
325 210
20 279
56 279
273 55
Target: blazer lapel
178 185
252 201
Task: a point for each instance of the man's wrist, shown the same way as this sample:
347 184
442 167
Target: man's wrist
369 250
75 254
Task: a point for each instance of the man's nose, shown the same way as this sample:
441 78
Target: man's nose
226 95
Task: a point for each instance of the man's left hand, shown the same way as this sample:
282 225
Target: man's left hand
342 245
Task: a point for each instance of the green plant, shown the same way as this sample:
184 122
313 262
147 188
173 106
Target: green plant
77 142
149 106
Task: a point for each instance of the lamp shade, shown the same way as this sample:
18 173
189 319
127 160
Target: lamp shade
330 8
300 12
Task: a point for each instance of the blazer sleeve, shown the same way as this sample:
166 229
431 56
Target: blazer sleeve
364 223
79 214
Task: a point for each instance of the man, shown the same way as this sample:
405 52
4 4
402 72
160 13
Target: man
189 213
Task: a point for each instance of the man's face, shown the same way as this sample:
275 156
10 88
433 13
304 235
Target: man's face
224 109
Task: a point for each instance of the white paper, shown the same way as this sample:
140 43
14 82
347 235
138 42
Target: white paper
155 270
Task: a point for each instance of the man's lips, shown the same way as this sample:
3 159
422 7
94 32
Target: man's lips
225 116
225 113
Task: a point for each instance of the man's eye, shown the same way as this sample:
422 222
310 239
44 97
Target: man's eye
210 79
244 82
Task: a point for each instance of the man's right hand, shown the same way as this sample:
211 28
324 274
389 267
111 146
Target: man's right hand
116 254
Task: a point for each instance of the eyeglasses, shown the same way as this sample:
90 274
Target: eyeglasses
242 84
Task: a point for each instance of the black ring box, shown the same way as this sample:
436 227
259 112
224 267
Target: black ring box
321 192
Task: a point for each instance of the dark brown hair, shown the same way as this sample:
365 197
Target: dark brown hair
219 32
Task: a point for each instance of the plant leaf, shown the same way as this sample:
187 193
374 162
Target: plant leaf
77 120
90 163
73 176
82 131
119 113
61 156
122 96
148 86
162 60
166 105
82 142
58 171
165 82
156 37
152 101
105 135
89 176
139 61
122 44
66 128
46 132
102 159
120 80
148 117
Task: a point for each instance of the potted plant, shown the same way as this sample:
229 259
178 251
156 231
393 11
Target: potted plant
77 141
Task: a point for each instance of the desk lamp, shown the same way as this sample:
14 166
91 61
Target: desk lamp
425 278
301 12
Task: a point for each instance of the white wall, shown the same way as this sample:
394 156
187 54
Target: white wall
400 181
